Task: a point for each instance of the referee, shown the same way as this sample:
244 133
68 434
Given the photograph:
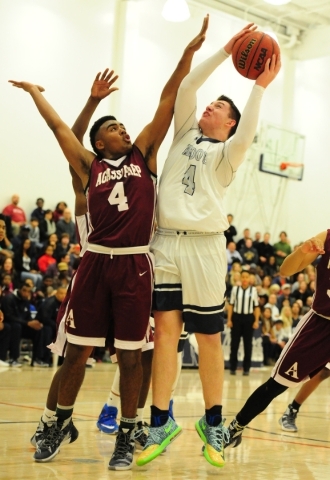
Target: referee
242 317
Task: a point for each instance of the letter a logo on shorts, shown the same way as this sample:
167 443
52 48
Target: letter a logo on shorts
293 371
70 320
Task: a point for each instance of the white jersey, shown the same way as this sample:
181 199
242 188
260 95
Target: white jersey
198 169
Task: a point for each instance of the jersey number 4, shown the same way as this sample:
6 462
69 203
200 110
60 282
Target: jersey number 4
117 197
189 180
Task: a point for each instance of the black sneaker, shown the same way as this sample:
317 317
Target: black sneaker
39 363
59 433
140 435
122 457
41 431
288 420
235 434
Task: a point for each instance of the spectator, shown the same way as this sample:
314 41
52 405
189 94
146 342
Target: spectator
26 265
39 212
63 247
46 259
7 284
300 278
58 212
66 225
270 268
19 239
301 293
296 314
265 285
282 249
7 267
231 231
5 244
34 234
232 254
286 316
74 254
53 269
63 279
285 295
52 240
16 309
47 286
267 336
265 250
47 226
241 242
248 253
4 341
280 336
16 214
272 304
256 241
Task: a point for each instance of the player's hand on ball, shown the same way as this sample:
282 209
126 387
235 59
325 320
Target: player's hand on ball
313 245
26 85
251 27
272 67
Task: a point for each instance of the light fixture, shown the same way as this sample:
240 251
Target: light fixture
277 2
176 11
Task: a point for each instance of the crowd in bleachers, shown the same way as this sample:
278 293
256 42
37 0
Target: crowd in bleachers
283 301
38 256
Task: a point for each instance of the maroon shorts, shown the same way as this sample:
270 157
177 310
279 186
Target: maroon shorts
306 353
111 294
148 344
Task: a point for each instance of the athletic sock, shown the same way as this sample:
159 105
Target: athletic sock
214 415
48 415
114 395
139 415
158 417
127 424
295 406
63 412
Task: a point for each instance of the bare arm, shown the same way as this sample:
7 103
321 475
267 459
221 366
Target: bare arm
80 207
230 309
303 255
75 153
101 88
151 137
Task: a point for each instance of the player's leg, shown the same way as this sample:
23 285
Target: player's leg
107 421
288 419
182 340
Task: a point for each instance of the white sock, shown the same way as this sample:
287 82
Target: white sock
139 415
114 395
48 415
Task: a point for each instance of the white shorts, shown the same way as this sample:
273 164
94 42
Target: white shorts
190 272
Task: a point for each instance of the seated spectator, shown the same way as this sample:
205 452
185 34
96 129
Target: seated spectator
66 225
233 279
7 284
281 337
296 314
9 230
248 253
270 267
272 304
74 254
241 242
63 280
263 299
47 287
256 241
232 254
282 249
16 214
254 270
63 247
4 341
6 246
52 240
308 305
25 263
284 295
46 259
265 250
34 234
54 271
7 267
58 212
16 310
300 278
265 285
39 212
47 226
267 336
231 231
286 317
19 239
301 293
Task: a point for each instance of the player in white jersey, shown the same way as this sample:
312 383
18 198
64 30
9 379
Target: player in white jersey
190 247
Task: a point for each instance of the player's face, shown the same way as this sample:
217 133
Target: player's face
216 115
113 140
2 230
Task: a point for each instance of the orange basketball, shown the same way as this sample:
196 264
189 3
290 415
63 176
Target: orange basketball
250 53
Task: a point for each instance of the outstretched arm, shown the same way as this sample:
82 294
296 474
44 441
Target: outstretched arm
150 139
101 88
80 206
303 255
185 105
75 153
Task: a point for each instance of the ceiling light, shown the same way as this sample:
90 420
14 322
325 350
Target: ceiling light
176 11
277 2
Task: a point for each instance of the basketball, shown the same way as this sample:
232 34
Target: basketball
250 53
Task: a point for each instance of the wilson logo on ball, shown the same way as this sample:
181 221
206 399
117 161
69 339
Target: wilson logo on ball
244 55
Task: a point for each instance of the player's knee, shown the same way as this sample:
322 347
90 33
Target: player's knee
273 388
77 353
128 359
208 341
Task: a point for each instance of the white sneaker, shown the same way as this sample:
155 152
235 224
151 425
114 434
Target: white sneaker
4 364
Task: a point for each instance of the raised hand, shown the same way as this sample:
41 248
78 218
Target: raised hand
313 245
272 67
26 85
102 85
251 27
198 41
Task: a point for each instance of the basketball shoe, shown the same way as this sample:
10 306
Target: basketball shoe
158 439
107 420
59 433
214 439
122 457
140 435
42 429
235 431
170 409
288 420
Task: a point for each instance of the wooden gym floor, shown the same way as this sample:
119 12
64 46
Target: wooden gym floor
266 452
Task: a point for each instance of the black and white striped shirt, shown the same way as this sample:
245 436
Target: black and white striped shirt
244 300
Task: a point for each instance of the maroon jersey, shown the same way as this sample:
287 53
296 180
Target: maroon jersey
121 201
321 300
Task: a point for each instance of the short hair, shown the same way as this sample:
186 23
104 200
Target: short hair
235 114
95 128
40 199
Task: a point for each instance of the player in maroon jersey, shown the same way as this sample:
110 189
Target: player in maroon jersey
113 286
307 352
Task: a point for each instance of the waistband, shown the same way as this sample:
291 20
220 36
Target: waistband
185 233
92 247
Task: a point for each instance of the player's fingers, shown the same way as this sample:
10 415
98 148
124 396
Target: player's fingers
205 25
113 80
104 74
97 78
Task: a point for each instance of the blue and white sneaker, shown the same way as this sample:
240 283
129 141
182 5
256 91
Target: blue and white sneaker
170 409
107 422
